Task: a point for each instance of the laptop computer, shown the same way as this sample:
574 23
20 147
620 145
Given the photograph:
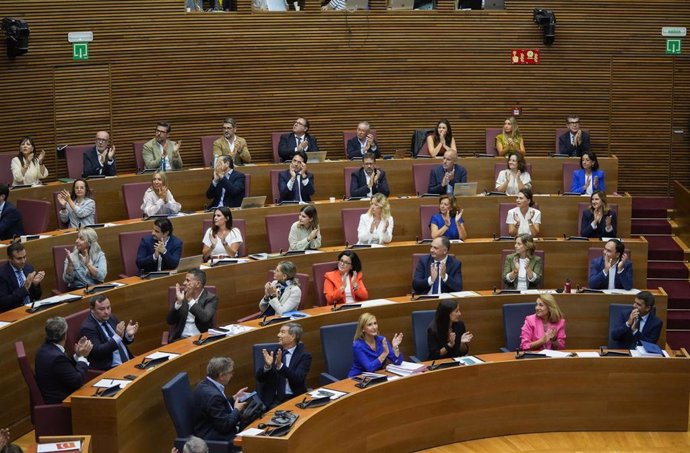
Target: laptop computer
494 4
276 5
253 202
190 262
465 189
401 4
470 4
357 4
315 157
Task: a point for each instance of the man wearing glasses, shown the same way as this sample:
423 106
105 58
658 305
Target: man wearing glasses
232 145
369 179
575 141
100 160
160 153
297 140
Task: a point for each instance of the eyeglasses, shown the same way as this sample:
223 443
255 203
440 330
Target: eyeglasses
347 263
225 128
158 131
573 122
297 123
101 139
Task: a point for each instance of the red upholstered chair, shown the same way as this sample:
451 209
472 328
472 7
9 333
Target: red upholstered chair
278 230
171 301
425 214
48 419
247 184
207 148
275 191
347 176
56 205
74 322
303 284
347 135
6 168
568 169
240 224
129 244
275 141
318 270
503 209
498 167
506 252
133 195
582 207
74 155
35 214
420 176
59 267
491 133
138 150
349 218
560 131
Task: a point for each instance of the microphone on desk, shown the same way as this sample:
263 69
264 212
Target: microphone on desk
335 305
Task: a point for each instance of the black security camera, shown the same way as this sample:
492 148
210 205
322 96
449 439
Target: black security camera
17 32
546 19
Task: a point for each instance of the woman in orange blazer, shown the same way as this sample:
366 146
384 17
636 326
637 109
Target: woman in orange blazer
345 285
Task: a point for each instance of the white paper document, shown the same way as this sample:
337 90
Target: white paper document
375 302
160 354
333 394
464 294
589 354
107 383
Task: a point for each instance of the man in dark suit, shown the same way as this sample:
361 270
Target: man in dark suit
368 180
443 178
100 160
19 283
296 183
161 251
613 270
297 140
192 298
217 417
284 371
108 336
362 143
11 225
575 142
438 272
58 375
227 186
638 324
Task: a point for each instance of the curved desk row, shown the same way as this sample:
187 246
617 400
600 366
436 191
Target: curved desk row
189 186
500 397
124 423
481 216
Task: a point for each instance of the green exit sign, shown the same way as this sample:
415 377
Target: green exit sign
673 47
80 51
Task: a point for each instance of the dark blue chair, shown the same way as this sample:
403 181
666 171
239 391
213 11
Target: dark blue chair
420 321
615 311
336 344
177 395
259 361
513 319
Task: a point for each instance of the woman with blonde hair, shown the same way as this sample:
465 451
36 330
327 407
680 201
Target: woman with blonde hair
376 225
85 265
158 199
283 294
510 139
545 329
371 350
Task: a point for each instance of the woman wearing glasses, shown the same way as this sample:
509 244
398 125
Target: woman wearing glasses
345 285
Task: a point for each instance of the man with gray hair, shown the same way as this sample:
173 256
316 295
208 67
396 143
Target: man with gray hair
217 416
57 374
232 145
362 143
193 445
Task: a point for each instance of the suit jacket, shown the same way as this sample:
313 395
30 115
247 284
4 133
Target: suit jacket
57 375
420 284
152 155
597 279
287 194
354 149
586 229
92 166
534 264
271 382
564 146
10 222
436 178
434 344
222 148
288 143
170 260
624 335
332 283
234 190
101 356
579 178
11 294
289 300
359 187
204 311
533 329
215 417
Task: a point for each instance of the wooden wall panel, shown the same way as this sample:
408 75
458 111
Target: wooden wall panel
399 70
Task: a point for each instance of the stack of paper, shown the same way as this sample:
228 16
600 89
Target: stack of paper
230 330
320 393
66 446
468 360
406 368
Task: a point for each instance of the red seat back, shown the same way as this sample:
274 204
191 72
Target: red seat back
35 396
59 266
318 270
278 230
491 133
568 169
35 215
275 191
275 141
74 155
420 176
6 168
347 176
138 150
207 148
349 218
503 209
129 245
425 213
133 195
74 322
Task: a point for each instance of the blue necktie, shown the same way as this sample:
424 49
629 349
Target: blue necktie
296 187
437 282
121 352
21 280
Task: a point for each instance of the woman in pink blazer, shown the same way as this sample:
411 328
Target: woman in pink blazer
545 329
345 285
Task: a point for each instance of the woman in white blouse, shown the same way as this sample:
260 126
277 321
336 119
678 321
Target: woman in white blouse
522 269
524 219
158 199
376 225
514 178
85 265
27 167
282 294
305 233
78 209
222 239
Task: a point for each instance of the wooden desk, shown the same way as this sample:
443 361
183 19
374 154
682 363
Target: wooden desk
386 271
189 186
559 216
125 422
501 397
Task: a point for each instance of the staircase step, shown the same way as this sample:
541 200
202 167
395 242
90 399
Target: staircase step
651 207
651 226
664 248
667 269
678 339
678 320
678 292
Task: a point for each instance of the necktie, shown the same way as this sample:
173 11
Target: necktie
21 280
296 188
120 348
286 363
437 282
